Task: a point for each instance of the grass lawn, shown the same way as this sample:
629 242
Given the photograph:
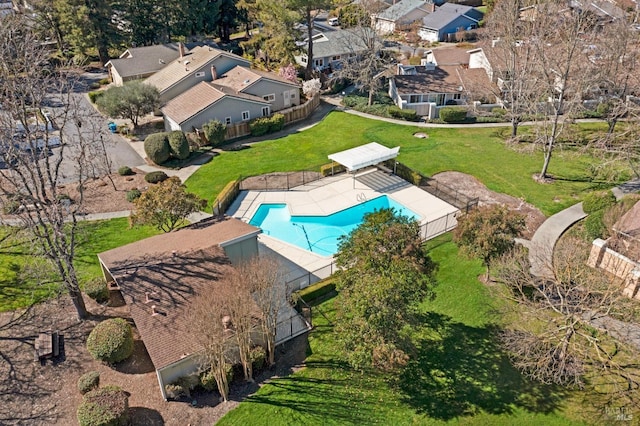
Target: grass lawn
476 151
458 376
22 281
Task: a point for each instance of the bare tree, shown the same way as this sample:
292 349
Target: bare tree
508 47
33 176
211 328
558 336
560 74
242 310
264 280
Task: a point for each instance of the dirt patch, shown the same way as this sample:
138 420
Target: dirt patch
47 394
472 187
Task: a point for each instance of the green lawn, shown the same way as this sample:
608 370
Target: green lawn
476 151
22 281
458 376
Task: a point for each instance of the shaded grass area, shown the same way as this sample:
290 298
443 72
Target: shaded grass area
24 279
480 152
458 375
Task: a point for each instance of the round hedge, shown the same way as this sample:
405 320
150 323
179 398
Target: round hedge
97 289
156 146
107 406
598 201
125 171
179 145
88 382
156 177
133 195
111 341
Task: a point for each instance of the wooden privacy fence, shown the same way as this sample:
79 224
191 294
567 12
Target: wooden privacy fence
291 115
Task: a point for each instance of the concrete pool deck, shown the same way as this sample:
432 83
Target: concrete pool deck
330 195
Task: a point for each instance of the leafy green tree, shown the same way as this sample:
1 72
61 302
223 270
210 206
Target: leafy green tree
214 132
384 273
352 15
131 101
488 232
165 205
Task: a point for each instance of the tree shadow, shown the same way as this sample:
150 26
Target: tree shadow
145 416
460 370
138 363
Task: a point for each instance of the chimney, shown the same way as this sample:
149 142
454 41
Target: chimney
181 49
214 73
431 7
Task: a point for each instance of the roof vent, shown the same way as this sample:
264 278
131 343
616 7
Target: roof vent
161 61
153 311
247 81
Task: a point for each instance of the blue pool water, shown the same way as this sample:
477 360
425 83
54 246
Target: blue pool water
322 232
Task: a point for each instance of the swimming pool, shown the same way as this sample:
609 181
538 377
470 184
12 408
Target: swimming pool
319 234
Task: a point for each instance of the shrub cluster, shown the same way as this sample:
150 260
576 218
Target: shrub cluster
133 195
453 114
264 125
125 171
107 406
383 106
97 289
258 358
178 145
111 341
183 386
594 225
208 381
156 177
94 96
598 201
156 146
88 382
402 114
214 132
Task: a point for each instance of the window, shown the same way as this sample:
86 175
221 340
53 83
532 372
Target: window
227 120
200 74
269 98
245 115
335 58
318 62
265 111
456 96
414 99
440 100
304 59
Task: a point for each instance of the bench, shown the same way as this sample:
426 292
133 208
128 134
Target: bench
47 345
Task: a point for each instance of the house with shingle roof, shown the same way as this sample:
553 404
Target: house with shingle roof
160 276
241 94
202 63
447 20
141 62
444 56
402 14
330 48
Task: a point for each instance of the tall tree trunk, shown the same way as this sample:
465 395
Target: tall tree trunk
309 70
514 127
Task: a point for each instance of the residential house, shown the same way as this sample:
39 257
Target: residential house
6 8
428 88
240 94
332 47
447 20
280 92
402 14
209 101
141 62
202 63
160 276
445 56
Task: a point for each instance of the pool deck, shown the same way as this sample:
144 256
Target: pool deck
330 195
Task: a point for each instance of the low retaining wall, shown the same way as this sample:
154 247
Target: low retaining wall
614 263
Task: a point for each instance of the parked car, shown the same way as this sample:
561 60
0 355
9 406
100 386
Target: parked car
334 22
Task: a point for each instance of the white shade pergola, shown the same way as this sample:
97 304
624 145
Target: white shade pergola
364 156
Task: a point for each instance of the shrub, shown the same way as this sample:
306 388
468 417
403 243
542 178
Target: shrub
453 114
111 341
133 195
317 290
97 289
594 225
156 146
208 381
88 382
107 406
277 122
156 177
178 145
182 386
259 126
403 114
498 112
104 81
94 96
326 169
214 132
258 358
125 171
597 201
11 207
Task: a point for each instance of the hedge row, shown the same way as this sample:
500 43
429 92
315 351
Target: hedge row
335 168
264 125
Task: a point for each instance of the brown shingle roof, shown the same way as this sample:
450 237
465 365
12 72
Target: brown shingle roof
441 80
200 97
451 56
171 269
240 78
177 70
